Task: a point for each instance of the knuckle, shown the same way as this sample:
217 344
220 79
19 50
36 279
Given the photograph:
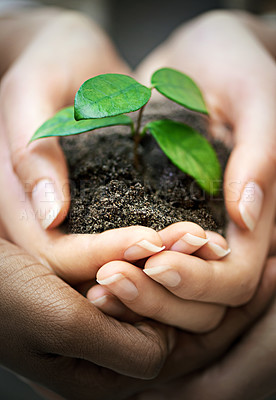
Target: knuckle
139 233
144 231
154 353
155 364
154 361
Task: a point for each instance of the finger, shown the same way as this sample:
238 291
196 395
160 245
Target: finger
193 278
185 237
215 249
77 258
41 166
188 237
105 301
251 169
232 280
175 271
147 298
68 325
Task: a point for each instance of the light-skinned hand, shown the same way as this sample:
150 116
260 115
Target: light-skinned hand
53 52
163 297
231 57
56 52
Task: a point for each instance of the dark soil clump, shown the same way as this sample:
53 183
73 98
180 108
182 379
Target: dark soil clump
108 192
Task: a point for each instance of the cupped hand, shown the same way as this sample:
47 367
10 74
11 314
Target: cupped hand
54 336
75 258
189 288
124 287
237 73
231 57
53 52
56 52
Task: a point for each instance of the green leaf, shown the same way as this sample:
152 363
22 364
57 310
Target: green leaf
64 124
189 151
108 95
179 88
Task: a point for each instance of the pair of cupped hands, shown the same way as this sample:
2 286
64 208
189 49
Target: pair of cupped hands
61 339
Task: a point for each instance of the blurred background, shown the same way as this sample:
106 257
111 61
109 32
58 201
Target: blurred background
136 28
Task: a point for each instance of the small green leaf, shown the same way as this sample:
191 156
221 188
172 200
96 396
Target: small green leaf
189 151
108 95
179 88
64 124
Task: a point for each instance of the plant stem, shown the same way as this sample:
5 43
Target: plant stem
139 119
137 138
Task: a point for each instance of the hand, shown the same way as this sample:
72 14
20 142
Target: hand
166 303
193 274
51 334
75 258
237 75
199 278
52 53
57 52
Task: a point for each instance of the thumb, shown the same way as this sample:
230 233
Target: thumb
251 169
40 166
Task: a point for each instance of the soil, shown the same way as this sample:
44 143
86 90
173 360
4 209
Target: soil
108 192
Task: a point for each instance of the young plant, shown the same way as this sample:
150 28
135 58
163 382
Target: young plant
104 100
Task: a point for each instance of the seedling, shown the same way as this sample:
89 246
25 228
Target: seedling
104 100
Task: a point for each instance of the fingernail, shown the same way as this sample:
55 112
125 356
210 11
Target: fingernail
100 301
121 286
183 244
141 250
218 250
45 202
111 305
164 274
250 204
